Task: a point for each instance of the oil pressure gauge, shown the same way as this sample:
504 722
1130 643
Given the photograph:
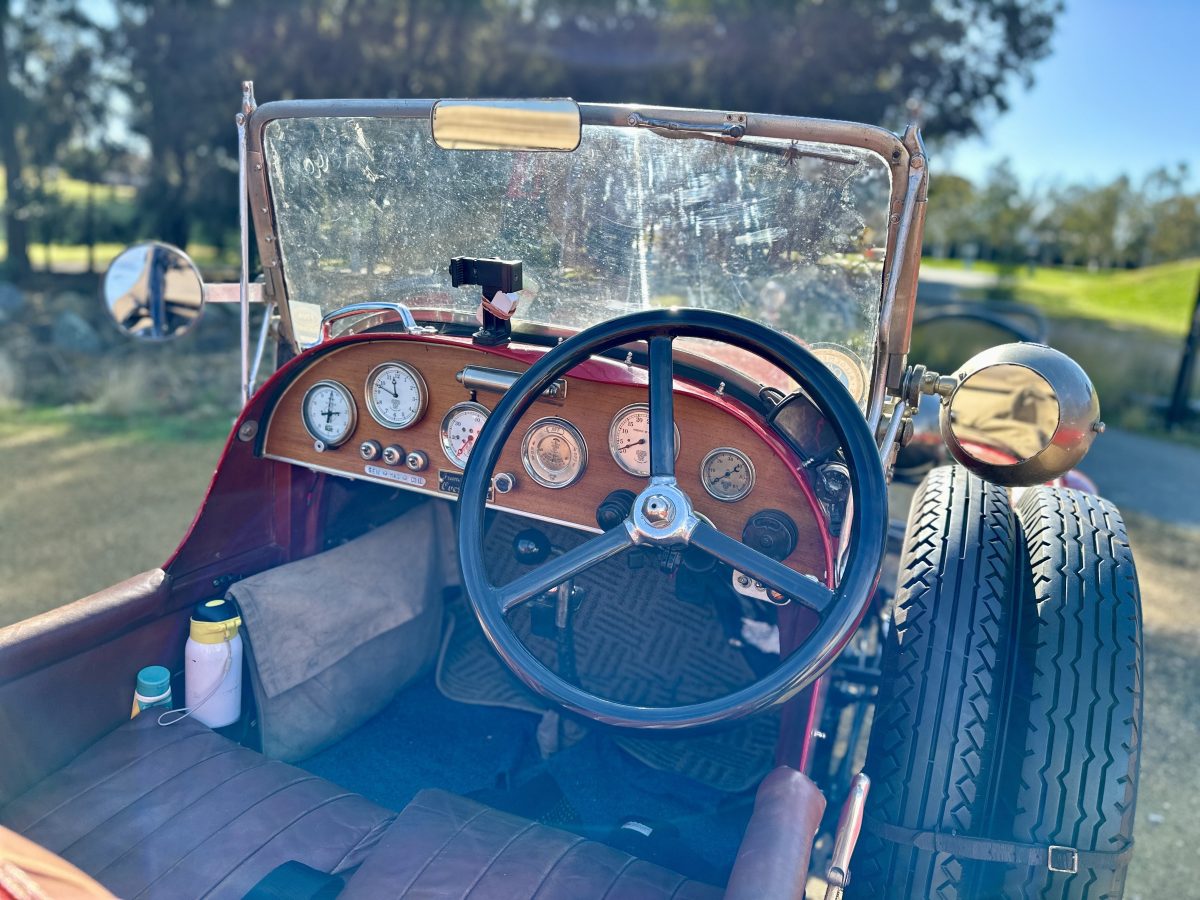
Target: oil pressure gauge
329 414
727 474
460 430
554 452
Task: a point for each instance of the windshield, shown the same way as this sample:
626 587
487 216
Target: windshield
788 233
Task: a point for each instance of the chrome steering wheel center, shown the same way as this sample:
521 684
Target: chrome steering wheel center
662 514
658 510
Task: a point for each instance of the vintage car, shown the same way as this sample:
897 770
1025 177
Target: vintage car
547 561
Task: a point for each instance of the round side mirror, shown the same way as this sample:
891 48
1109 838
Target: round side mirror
153 292
1021 414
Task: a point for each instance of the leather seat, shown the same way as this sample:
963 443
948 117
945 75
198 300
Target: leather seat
180 811
447 846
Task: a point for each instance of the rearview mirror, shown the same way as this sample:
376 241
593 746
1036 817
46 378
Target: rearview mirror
506 124
1020 414
153 292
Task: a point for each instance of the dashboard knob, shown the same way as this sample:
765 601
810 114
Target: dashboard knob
416 461
614 509
772 533
393 455
531 547
369 450
504 482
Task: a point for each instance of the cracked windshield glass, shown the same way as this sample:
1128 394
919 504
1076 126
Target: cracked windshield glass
789 233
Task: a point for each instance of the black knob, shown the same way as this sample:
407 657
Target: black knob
531 547
772 533
614 509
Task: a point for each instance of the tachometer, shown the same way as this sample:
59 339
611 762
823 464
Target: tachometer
727 474
329 414
554 452
629 439
396 395
460 430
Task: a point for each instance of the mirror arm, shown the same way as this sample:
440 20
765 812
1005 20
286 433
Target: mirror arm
231 292
248 107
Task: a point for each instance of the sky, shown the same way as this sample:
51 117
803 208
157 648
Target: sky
1120 93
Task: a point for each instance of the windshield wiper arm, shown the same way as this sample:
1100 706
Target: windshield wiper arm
725 129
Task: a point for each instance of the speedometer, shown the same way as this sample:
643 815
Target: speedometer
629 439
329 414
460 430
554 452
396 395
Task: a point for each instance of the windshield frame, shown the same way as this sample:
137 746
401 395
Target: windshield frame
904 155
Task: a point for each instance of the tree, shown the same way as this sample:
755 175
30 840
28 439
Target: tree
854 59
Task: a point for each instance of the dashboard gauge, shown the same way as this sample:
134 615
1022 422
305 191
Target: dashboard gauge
629 439
460 430
329 413
727 474
396 395
846 365
554 452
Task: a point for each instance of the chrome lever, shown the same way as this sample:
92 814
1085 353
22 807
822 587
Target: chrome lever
837 876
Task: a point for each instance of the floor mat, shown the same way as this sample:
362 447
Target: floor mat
635 643
422 739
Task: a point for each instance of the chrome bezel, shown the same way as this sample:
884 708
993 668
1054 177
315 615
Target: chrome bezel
612 428
349 398
749 468
422 395
575 435
443 435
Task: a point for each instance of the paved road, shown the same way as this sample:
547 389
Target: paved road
1150 475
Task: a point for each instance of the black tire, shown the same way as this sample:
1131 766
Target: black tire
933 752
1074 733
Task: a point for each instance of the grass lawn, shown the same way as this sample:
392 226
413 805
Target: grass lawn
89 500
1157 297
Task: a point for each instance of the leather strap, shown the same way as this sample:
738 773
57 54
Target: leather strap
1056 858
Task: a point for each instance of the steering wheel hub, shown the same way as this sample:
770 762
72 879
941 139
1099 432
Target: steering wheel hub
662 514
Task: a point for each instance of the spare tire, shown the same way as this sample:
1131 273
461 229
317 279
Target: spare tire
1073 740
933 753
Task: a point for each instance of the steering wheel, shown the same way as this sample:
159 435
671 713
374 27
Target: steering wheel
662 516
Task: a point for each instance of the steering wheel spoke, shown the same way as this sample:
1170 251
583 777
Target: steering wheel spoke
662 407
555 571
772 573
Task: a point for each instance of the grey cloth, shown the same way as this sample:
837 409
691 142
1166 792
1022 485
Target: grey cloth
332 638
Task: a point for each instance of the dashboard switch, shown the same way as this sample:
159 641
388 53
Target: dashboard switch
772 533
416 461
393 454
504 482
369 450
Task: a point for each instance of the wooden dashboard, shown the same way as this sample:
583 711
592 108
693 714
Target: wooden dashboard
595 393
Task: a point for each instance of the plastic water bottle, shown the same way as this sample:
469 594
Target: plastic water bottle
212 674
153 689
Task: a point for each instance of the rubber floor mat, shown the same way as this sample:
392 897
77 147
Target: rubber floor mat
635 642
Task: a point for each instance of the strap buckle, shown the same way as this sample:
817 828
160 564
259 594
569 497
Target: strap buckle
1064 860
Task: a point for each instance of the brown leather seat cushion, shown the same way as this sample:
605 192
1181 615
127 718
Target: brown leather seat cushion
449 847
180 811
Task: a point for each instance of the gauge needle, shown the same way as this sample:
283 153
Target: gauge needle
465 444
726 475
393 391
641 440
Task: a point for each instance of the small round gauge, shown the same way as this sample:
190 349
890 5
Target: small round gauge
460 430
329 413
554 452
727 474
846 365
629 439
396 395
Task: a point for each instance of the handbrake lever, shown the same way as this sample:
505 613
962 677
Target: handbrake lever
837 876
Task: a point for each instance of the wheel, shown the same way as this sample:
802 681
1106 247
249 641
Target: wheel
933 752
662 516
1074 738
